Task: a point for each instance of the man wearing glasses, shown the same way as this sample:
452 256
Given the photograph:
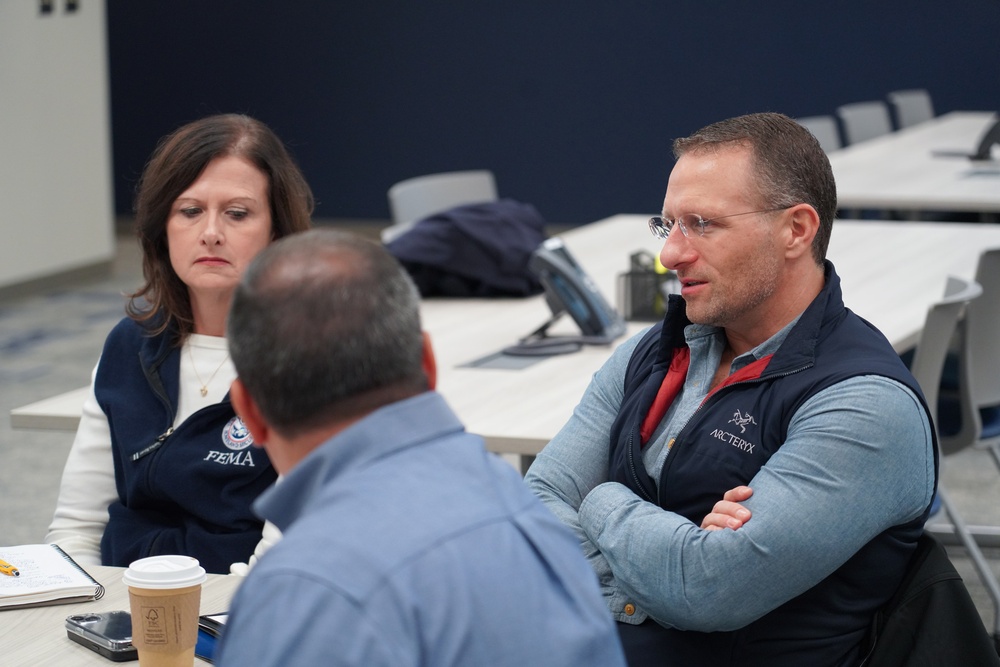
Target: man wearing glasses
757 376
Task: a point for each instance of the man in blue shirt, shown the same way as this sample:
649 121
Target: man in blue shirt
404 541
760 376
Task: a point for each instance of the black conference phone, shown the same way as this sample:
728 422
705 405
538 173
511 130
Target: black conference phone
568 290
985 148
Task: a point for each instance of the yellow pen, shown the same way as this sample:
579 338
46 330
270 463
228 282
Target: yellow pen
9 569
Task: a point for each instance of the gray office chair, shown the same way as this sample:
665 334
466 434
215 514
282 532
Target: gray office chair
418 197
825 129
970 405
911 106
935 339
864 120
927 367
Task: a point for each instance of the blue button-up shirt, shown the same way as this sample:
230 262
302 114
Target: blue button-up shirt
406 543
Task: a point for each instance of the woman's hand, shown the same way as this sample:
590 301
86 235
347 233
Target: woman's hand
728 513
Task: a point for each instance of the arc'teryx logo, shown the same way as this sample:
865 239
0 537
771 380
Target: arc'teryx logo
742 421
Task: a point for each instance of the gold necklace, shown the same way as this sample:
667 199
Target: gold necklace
194 367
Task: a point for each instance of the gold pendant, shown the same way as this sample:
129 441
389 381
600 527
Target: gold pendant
204 391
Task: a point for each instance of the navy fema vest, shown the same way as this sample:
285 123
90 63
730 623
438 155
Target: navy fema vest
728 440
183 491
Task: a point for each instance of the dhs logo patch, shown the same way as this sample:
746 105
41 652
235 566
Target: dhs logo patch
236 436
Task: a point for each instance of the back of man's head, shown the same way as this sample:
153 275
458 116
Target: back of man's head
790 166
325 326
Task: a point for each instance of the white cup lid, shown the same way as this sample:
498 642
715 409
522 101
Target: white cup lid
164 572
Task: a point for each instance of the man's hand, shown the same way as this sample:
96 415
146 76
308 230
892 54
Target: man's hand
728 513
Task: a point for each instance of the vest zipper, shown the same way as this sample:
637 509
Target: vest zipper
153 447
632 470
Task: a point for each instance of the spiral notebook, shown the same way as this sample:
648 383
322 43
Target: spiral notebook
45 575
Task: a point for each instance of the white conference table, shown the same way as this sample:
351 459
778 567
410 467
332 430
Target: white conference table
920 168
891 272
37 635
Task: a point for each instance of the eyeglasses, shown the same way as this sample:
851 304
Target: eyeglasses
661 227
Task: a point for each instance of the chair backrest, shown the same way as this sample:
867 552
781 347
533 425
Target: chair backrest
978 353
942 319
911 106
825 129
983 331
416 198
864 120
419 197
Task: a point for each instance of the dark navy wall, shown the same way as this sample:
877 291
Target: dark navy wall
573 104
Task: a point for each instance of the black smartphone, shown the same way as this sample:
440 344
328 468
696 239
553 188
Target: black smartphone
210 627
108 633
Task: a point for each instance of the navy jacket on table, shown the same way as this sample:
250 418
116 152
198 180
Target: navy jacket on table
476 250
187 490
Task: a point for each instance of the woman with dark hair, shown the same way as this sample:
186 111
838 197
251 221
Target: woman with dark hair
161 463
